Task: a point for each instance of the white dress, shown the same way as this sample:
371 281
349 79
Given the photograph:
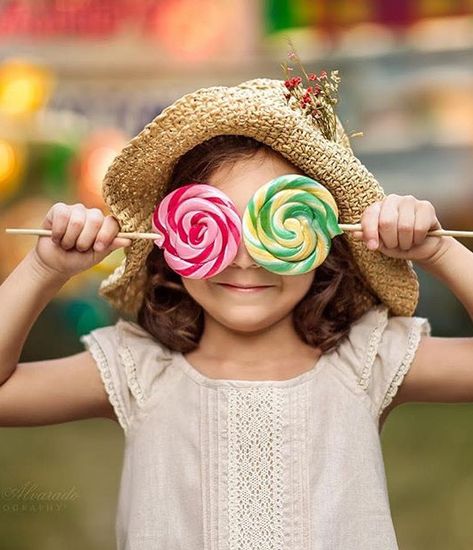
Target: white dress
255 465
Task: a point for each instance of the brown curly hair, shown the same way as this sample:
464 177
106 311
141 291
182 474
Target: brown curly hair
321 319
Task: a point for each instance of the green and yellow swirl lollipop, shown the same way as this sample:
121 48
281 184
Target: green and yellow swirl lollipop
289 223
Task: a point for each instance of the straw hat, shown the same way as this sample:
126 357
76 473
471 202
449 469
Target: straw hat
138 178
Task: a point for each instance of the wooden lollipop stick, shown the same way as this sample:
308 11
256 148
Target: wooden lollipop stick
137 235
48 233
435 233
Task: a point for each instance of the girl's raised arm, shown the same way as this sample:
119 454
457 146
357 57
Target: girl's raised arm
57 390
442 369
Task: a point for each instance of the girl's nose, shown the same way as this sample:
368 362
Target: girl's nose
242 259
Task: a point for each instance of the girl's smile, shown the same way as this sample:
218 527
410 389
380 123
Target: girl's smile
244 289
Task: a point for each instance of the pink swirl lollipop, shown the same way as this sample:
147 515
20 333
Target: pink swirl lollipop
201 230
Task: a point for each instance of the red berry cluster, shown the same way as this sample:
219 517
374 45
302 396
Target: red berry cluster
293 82
321 76
317 100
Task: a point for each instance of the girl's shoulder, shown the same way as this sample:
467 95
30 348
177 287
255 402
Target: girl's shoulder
378 352
131 363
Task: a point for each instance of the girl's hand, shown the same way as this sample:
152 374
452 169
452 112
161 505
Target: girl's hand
398 225
77 232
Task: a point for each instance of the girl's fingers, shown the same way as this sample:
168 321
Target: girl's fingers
369 225
74 227
57 219
388 221
425 219
397 222
120 242
93 223
406 222
107 235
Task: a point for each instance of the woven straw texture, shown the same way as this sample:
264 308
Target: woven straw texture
138 178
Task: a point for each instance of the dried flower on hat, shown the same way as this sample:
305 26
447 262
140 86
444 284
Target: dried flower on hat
318 100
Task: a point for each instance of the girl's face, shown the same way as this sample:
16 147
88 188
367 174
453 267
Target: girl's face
256 310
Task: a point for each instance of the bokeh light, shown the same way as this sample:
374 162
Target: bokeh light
11 166
176 29
24 87
95 156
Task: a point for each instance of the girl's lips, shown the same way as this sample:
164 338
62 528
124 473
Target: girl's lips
244 290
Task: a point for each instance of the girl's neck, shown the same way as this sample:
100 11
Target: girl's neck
276 344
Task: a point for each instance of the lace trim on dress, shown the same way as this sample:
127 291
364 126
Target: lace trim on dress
129 364
373 344
413 338
106 375
130 333
255 469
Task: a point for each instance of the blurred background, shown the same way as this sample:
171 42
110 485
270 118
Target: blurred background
78 78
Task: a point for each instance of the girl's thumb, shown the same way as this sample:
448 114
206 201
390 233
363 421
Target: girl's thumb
119 242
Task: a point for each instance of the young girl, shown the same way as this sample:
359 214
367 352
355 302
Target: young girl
251 401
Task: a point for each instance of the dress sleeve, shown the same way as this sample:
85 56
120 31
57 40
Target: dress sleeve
130 362
380 350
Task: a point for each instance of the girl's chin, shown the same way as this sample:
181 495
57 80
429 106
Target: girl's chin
247 321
